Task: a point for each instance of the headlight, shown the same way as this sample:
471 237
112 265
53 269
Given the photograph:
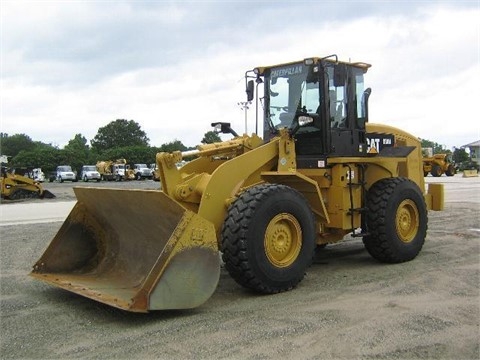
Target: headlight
304 120
308 61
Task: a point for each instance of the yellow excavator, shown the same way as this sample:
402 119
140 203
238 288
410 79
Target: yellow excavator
261 204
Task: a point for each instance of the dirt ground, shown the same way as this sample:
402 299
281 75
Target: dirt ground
349 306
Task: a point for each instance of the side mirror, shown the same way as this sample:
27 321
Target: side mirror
223 128
361 120
249 90
366 96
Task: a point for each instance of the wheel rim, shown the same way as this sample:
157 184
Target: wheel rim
283 240
407 220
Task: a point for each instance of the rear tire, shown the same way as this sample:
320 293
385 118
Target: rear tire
396 220
268 238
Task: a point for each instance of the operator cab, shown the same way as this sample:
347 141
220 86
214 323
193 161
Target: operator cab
329 92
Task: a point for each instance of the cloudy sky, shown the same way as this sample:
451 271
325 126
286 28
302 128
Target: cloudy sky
70 67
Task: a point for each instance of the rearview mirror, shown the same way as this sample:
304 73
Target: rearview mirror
250 90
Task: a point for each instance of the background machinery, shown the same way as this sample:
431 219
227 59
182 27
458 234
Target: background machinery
320 172
65 173
117 170
15 187
438 164
142 171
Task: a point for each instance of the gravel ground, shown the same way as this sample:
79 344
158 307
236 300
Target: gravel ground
348 306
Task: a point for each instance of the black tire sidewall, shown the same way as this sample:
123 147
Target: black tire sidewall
450 170
280 202
436 171
384 235
402 192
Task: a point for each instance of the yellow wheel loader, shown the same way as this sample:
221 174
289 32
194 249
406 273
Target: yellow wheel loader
15 187
320 172
438 164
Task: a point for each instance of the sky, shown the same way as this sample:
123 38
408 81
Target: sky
71 67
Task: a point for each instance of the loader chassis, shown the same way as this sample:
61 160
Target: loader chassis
320 172
439 164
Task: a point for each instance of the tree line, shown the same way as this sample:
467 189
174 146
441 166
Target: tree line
119 139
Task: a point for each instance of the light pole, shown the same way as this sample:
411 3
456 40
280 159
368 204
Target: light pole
244 106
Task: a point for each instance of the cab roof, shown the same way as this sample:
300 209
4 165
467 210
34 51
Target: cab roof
315 60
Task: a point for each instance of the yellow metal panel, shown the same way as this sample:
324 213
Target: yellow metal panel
308 187
229 177
339 202
436 197
470 173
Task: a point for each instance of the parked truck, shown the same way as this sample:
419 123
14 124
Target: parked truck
117 170
142 171
65 173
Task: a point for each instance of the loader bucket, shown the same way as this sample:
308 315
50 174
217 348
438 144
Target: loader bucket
47 195
136 250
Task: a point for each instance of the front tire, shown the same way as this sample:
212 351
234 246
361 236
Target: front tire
436 171
396 220
268 238
450 170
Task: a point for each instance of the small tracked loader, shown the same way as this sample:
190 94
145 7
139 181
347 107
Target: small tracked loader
320 171
16 187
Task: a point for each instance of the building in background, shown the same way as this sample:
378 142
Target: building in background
474 150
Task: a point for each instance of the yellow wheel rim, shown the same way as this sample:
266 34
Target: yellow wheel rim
407 221
283 240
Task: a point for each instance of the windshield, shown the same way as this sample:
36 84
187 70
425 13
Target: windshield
90 168
141 166
290 92
64 168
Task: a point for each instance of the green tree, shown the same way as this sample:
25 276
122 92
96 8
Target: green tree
437 148
211 137
12 145
133 154
175 145
119 133
76 152
460 155
48 158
